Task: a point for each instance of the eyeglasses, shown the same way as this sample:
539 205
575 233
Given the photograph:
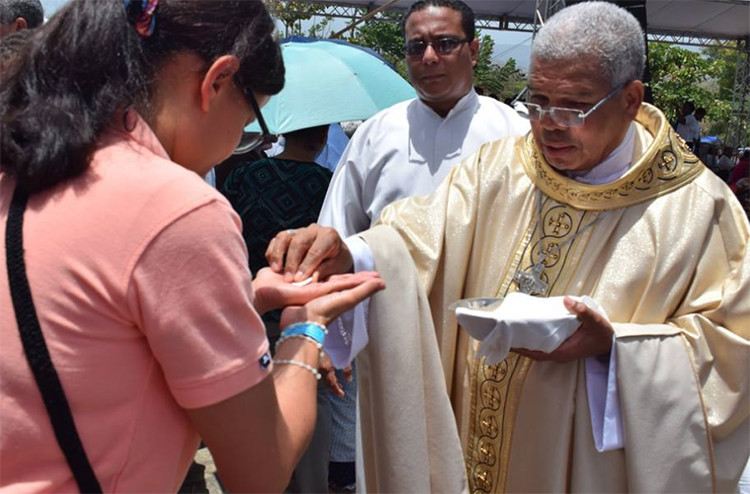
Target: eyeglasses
442 46
564 117
251 140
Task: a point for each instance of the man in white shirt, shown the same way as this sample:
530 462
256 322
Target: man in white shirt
408 149
688 126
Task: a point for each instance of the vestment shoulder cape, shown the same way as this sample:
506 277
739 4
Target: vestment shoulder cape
669 264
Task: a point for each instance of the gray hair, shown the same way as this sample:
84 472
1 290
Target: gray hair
31 10
601 30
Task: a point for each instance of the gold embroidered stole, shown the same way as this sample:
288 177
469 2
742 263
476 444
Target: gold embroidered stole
495 390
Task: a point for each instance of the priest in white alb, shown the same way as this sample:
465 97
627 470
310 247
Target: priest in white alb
601 199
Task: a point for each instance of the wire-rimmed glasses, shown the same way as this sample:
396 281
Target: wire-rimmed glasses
564 117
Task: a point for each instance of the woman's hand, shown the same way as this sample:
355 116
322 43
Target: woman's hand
273 291
346 291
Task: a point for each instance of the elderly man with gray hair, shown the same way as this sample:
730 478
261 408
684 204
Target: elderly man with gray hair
601 212
16 15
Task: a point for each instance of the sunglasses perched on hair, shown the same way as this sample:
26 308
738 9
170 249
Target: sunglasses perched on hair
564 117
251 140
442 46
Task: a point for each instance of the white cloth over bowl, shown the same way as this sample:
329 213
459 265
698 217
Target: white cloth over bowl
521 321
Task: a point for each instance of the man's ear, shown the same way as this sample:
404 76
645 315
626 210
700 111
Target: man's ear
20 23
474 48
633 96
218 78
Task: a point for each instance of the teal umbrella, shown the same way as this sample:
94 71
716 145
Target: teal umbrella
331 81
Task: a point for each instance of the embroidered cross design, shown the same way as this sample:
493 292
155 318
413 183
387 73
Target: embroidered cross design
487 453
559 222
492 398
550 252
489 426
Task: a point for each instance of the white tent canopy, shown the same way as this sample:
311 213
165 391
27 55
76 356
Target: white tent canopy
721 19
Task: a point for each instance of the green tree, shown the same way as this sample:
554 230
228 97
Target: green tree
725 63
484 73
291 14
498 81
515 79
321 29
383 34
679 75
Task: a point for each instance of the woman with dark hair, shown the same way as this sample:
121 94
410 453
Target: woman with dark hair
129 321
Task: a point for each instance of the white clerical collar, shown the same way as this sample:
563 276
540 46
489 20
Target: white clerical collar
614 166
468 100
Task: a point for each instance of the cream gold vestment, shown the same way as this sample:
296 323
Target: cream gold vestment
669 264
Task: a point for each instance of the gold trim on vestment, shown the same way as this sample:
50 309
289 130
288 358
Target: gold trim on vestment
488 449
488 444
665 166
496 390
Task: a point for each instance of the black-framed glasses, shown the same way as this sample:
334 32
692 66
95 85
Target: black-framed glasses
564 117
442 46
251 140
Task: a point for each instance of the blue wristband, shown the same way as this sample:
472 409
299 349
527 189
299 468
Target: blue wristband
314 331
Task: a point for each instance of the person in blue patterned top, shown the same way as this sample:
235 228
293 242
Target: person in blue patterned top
271 195
279 193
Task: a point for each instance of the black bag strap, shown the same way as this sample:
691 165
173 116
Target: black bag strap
37 353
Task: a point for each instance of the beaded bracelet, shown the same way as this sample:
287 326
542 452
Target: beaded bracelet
301 336
314 331
299 364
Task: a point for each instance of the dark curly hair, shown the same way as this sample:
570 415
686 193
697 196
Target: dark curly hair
88 62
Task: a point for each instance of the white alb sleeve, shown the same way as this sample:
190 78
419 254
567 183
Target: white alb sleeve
604 402
348 335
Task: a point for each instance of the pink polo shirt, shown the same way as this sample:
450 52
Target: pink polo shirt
139 275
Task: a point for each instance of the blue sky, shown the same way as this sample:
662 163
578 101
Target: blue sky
507 44
50 6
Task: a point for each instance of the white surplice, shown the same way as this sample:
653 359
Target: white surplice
407 150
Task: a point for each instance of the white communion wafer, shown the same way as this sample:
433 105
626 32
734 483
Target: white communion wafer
303 282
